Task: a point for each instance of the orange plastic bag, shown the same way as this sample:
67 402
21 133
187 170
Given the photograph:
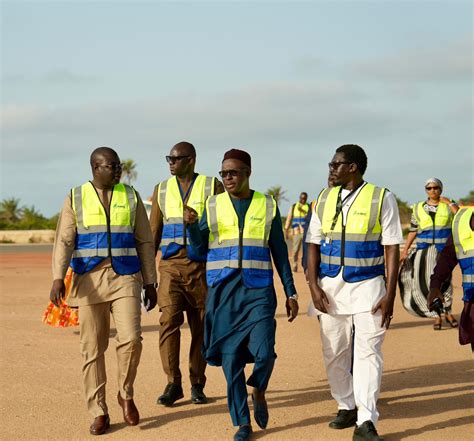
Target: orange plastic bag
62 316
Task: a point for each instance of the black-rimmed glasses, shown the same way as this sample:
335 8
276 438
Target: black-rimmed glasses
173 159
230 173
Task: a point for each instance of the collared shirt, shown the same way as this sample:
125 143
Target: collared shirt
356 297
102 283
178 268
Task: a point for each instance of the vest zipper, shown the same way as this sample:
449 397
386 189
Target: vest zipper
107 217
343 242
241 240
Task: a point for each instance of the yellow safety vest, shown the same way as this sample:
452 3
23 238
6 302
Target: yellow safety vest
355 246
463 239
100 235
170 202
232 249
429 232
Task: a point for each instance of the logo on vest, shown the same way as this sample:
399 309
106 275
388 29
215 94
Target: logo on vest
359 213
255 218
118 205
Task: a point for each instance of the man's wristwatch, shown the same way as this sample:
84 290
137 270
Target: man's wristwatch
155 285
294 297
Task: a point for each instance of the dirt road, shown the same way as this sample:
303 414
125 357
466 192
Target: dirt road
427 388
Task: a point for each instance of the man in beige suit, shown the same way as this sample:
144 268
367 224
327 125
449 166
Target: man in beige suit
103 233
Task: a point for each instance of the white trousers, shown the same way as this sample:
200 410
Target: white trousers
361 388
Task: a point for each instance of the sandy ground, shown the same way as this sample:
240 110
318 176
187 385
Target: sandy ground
427 388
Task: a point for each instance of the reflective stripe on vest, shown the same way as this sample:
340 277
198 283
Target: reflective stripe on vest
171 206
100 236
299 215
463 239
356 246
231 249
429 232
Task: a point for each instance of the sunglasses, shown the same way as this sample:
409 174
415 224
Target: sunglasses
335 165
432 188
230 173
173 159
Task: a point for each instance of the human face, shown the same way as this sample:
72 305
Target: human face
180 162
235 176
303 198
433 191
340 170
107 170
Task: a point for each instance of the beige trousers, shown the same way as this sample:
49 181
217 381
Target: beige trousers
95 326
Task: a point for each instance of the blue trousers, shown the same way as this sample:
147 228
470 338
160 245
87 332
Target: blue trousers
261 346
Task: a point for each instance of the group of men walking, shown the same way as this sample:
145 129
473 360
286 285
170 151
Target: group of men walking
219 243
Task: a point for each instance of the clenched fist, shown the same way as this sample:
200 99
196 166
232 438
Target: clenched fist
190 215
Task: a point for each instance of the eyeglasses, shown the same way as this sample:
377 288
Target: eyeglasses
335 165
230 173
432 188
173 159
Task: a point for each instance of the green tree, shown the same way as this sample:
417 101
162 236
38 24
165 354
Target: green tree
469 199
129 172
278 193
10 210
404 210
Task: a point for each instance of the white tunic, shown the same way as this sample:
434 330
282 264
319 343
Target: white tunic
356 297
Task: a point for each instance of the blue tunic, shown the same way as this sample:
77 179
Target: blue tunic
232 309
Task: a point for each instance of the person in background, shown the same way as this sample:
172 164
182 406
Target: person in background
458 249
296 220
430 226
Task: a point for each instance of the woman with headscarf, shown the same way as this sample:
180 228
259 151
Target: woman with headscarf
431 226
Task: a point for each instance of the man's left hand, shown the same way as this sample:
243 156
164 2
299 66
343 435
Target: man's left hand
150 296
291 309
386 306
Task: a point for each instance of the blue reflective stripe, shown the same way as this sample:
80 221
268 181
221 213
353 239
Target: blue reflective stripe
438 234
171 231
232 253
100 240
359 273
363 250
252 277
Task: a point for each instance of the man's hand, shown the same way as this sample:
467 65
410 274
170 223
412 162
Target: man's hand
150 297
291 309
319 297
386 306
434 294
58 291
190 215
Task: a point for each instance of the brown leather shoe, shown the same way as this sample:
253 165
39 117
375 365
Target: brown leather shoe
130 411
100 425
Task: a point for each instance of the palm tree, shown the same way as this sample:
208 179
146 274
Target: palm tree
129 173
10 210
278 193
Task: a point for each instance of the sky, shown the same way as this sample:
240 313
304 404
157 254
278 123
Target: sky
287 81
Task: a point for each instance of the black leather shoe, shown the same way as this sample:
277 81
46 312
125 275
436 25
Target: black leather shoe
197 394
344 419
172 393
260 412
366 432
244 432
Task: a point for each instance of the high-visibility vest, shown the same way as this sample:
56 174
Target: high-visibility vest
463 239
100 235
232 249
299 214
355 247
432 233
170 202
